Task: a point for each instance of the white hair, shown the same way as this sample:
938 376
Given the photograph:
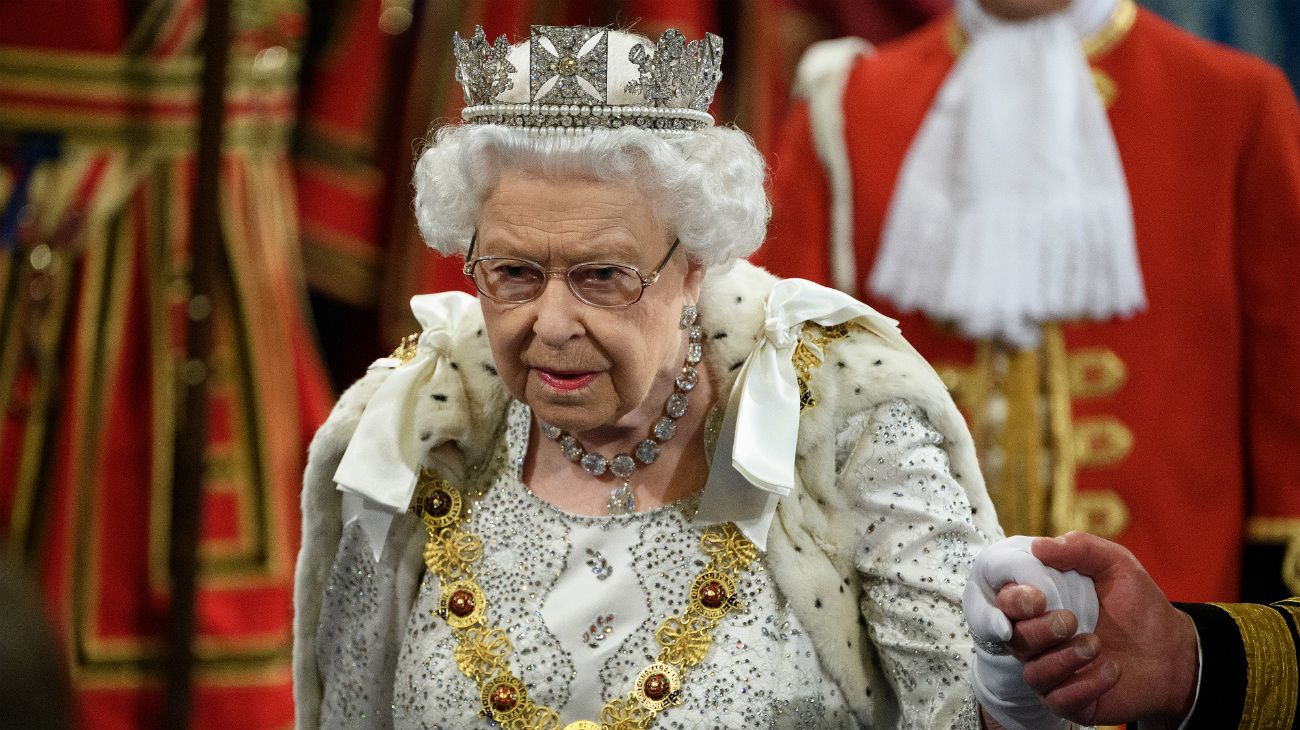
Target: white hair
705 186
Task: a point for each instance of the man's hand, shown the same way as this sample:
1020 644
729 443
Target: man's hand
1139 665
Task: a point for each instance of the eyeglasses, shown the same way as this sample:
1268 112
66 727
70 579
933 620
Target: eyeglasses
601 284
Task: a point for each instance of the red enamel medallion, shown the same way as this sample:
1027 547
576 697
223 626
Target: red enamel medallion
461 603
504 698
656 686
713 594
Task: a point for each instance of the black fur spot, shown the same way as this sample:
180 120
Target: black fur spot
739 300
839 364
878 362
454 366
798 549
489 368
817 603
841 589
857 390
425 436
439 397
719 335
479 333
736 366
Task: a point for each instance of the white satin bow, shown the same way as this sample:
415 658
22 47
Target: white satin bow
767 392
382 461
761 428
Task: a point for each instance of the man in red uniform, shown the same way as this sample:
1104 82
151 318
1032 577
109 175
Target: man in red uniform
1172 427
99 116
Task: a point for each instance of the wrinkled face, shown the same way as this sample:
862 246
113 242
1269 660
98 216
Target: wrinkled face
578 366
1023 9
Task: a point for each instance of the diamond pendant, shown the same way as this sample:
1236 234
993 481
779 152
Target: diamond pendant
620 500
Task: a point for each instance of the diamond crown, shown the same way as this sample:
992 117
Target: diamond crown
572 79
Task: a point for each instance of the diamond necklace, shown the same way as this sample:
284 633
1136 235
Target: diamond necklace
623 466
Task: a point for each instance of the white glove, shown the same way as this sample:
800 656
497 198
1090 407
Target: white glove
999 677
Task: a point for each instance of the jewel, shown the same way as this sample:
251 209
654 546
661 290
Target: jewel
689 314
601 627
461 603
647 451
600 567
550 432
676 405
594 464
572 449
713 594
696 333
437 503
620 500
694 351
622 466
664 428
687 380
656 686
504 698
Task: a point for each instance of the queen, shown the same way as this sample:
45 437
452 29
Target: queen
636 482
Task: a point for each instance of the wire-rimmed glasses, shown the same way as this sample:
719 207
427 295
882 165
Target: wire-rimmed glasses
510 280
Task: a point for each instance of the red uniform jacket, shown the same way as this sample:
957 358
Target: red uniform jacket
1186 418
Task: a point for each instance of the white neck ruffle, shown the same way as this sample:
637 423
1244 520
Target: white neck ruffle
1011 208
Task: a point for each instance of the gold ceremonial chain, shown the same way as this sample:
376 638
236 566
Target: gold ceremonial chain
809 353
482 650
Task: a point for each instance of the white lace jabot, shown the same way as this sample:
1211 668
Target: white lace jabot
1012 208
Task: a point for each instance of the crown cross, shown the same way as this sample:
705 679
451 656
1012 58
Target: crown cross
568 65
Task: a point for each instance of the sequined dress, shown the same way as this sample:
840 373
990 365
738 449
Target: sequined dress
580 597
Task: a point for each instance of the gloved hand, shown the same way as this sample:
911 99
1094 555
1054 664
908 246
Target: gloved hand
998 677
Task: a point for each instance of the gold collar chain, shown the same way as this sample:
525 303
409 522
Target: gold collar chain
482 651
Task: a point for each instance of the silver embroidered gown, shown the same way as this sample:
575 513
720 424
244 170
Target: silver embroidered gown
581 596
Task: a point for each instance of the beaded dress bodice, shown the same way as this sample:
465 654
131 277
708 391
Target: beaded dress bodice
581 597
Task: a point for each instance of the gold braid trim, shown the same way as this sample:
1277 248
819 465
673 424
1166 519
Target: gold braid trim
1271 672
1094 46
1283 530
482 652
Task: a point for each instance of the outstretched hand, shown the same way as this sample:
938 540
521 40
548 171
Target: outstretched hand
1139 664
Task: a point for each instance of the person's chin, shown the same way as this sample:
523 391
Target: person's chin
573 409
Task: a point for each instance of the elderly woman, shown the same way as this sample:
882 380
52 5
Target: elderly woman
637 482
